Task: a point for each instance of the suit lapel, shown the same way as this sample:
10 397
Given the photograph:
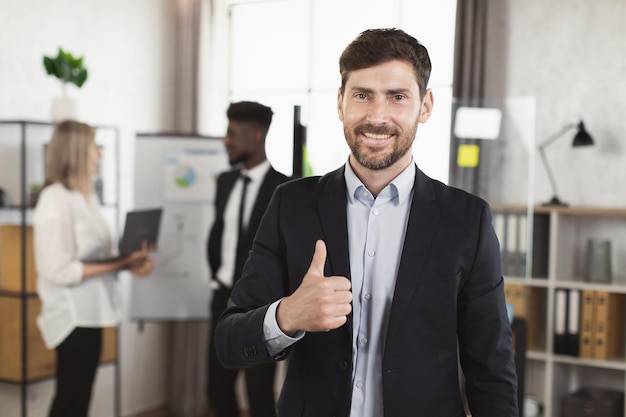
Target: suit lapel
422 223
261 202
333 217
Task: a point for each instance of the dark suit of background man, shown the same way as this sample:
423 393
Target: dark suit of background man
248 123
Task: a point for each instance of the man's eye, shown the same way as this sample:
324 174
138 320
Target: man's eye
398 97
360 96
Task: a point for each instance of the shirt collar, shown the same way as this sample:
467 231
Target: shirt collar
402 185
258 172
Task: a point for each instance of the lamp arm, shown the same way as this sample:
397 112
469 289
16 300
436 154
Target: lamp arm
548 170
543 145
557 135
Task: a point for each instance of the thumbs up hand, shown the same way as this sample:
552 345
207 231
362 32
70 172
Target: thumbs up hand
320 303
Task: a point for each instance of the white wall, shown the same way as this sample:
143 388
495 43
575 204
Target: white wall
570 55
126 46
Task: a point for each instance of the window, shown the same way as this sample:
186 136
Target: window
285 53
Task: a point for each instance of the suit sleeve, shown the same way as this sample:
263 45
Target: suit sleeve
485 336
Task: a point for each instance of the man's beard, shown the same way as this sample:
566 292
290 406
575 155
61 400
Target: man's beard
378 162
238 158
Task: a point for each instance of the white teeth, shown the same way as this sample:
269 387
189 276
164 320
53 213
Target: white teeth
373 136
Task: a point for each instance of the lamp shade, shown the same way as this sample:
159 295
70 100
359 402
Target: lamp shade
582 137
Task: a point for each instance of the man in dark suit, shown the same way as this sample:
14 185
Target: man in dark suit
376 281
241 199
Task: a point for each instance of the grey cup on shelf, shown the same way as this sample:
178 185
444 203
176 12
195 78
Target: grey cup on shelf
599 261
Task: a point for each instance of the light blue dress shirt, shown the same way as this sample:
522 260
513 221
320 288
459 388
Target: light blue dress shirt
376 230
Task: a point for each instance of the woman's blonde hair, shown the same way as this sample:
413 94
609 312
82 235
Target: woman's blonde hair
67 156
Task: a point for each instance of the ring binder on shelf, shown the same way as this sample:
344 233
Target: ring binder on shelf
572 343
560 321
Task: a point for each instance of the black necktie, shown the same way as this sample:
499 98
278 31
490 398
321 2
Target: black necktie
242 253
242 204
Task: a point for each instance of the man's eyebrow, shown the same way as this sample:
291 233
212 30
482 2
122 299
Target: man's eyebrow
395 91
391 91
361 90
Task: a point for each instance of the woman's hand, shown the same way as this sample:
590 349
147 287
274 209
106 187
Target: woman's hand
143 267
140 263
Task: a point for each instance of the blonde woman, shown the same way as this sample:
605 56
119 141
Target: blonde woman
78 293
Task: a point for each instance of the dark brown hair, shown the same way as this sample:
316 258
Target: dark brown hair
377 46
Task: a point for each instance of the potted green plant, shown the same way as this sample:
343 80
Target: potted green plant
68 69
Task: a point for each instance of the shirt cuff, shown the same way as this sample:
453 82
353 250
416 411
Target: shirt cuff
80 267
275 340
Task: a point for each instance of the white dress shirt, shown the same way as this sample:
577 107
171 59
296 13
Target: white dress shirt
70 230
231 219
376 230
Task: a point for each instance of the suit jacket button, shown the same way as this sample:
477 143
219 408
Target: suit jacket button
249 351
343 365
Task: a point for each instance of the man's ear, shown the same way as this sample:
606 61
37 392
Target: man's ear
340 104
426 108
258 133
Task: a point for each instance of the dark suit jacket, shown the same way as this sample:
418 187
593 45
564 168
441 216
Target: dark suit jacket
225 183
449 288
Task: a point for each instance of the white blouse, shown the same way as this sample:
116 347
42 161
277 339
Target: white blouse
69 230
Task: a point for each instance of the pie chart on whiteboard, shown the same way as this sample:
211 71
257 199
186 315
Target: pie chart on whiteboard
185 176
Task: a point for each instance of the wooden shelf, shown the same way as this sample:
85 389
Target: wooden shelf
567 210
11 260
41 361
553 375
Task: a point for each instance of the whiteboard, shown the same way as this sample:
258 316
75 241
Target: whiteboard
177 173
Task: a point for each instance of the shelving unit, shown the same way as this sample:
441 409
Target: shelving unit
543 249
551 376
24 359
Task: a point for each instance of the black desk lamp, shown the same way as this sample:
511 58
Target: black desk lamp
582 138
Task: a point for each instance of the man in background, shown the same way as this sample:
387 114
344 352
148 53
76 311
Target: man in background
241 199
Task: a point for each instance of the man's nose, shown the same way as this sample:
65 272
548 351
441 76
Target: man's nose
378 111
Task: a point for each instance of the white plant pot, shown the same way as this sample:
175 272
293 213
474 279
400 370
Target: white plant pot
64 108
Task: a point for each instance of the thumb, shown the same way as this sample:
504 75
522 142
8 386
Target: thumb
319 258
